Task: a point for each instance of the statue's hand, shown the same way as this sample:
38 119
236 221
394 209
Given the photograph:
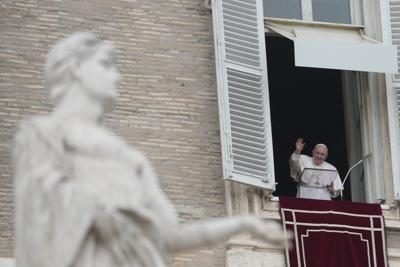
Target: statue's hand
269 231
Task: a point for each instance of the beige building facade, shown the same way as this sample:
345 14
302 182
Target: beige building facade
167 105
183 69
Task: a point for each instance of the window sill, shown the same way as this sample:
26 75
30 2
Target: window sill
391 212
313 23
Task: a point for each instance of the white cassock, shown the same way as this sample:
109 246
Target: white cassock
297 164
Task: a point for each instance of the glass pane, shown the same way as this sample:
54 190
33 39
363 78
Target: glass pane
331 11
286 9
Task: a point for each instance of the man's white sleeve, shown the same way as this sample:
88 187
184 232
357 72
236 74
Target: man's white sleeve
295 166
337 186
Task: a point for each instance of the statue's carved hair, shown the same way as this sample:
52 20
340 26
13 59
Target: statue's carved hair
64 57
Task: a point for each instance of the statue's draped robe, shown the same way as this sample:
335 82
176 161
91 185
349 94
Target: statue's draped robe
83 199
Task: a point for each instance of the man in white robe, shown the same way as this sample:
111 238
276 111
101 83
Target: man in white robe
298 162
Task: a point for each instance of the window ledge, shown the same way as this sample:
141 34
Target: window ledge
313 23
391 212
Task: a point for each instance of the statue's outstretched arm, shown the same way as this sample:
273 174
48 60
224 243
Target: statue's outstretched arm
180 237
209 232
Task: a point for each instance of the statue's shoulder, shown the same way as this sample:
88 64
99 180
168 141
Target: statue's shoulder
34 122
36 141
33 127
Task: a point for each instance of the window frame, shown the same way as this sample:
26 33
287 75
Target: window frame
355 14
366 14
376 190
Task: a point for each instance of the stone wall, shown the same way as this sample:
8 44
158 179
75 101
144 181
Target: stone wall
167 105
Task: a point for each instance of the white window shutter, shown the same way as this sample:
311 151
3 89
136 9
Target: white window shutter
393 90
240 56
395 31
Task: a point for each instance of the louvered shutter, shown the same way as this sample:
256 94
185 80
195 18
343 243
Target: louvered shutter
395 30
396 176
240 56
394 102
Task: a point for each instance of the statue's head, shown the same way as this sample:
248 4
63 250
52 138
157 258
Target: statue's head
85 61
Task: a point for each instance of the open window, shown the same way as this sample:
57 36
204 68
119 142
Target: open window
320 77
305 102
321 105
246 99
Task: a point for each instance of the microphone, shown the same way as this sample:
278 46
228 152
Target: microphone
348 172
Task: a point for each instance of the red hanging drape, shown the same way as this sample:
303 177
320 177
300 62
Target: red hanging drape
332 233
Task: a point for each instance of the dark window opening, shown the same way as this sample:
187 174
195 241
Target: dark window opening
304 102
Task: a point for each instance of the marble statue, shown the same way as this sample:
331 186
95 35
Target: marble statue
84 197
